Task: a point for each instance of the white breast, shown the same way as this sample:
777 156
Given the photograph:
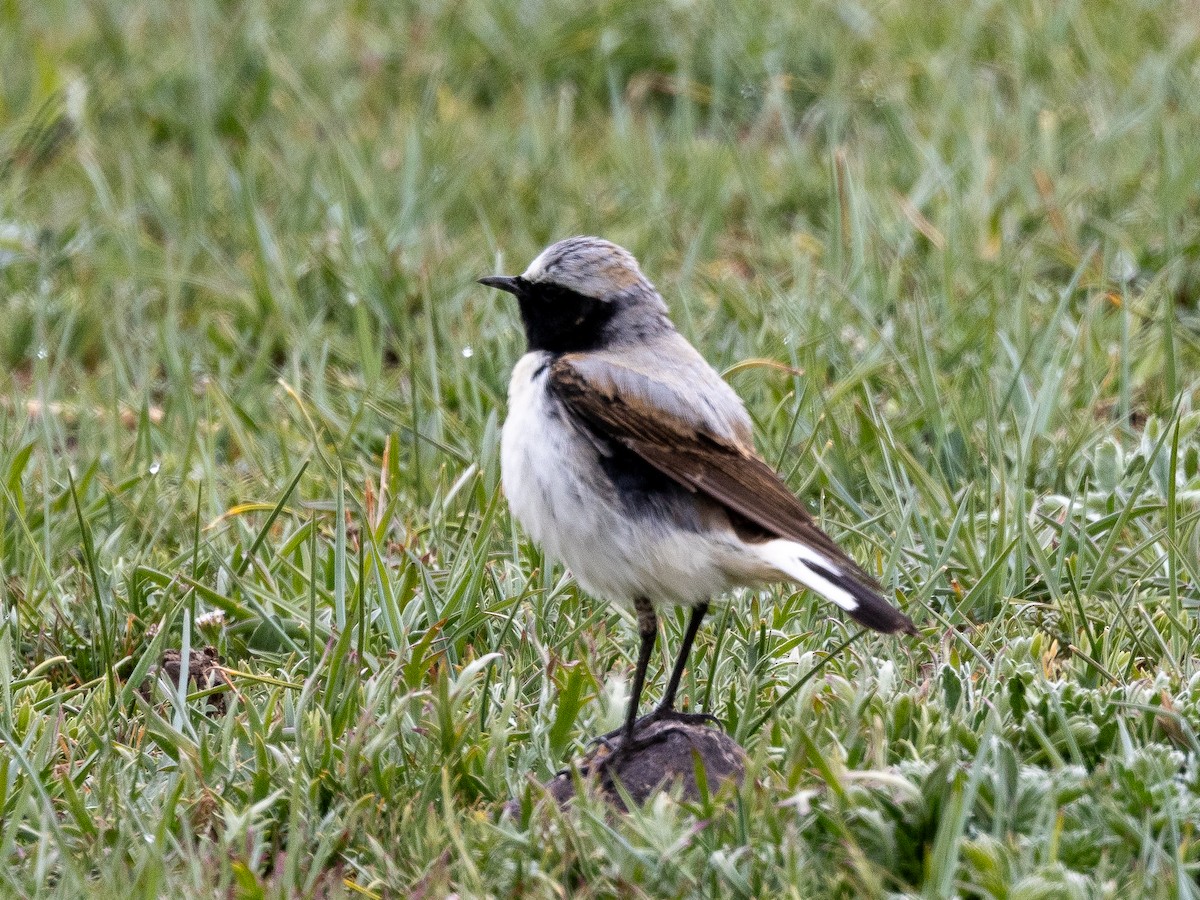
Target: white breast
562 498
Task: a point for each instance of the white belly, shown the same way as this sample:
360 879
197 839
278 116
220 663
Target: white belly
558 492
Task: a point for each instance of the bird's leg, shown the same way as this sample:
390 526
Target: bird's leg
665 711
648 631
685 649
666 708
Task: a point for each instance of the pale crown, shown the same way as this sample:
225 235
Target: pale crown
589 266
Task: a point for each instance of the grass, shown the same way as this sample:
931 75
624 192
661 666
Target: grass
250 398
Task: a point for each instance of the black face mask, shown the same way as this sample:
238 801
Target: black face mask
560 320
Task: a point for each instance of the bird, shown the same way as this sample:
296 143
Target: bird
628 459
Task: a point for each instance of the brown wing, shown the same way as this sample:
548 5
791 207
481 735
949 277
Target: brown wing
728 471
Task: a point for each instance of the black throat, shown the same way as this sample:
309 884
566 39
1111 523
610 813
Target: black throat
560 320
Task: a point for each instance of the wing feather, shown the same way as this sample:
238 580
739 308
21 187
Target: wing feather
726 469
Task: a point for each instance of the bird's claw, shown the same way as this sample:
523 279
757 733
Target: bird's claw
657 715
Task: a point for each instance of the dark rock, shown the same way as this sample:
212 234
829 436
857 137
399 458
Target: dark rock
665 755
204 671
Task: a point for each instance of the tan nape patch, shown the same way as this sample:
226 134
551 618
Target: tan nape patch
620 273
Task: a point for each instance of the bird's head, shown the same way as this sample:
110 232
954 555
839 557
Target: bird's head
584 293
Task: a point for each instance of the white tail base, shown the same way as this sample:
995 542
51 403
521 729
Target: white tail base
796 561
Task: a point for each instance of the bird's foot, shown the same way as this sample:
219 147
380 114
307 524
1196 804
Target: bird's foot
620 760
620 748
674 715
616 738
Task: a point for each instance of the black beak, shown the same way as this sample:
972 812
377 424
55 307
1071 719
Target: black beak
508 283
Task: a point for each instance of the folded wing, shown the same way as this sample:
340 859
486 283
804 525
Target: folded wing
725 468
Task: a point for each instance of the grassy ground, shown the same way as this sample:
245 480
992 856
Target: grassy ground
250 398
